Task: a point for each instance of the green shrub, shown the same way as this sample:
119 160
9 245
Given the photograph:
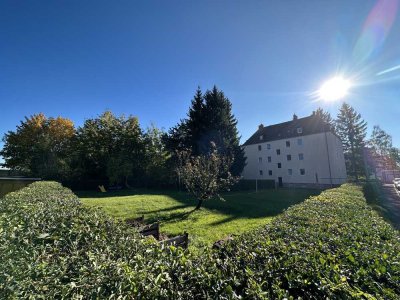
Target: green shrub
332 245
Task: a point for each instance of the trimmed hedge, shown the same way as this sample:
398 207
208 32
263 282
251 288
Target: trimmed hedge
332 245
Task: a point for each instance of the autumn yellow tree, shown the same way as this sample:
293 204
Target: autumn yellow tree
39 146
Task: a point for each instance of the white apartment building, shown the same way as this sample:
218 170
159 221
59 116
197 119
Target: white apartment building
303 152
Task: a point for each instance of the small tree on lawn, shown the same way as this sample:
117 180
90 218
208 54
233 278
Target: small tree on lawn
205 176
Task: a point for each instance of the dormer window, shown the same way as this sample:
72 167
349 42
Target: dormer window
261 137
299 130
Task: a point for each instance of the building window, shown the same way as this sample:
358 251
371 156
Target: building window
259 147
301 156
289 157
261 137
278 151
288 144
261 172
270 172
279 165
260 159
268 146
300 142
290 171
299 130
269 159
302 171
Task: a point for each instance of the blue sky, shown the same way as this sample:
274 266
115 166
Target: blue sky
146 58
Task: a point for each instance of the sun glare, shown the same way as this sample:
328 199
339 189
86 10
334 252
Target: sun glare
334 89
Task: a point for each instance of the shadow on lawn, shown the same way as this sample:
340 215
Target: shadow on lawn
253 205
237 205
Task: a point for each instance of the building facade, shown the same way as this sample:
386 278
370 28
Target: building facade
303 152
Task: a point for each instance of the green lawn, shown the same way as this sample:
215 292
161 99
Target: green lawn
242 211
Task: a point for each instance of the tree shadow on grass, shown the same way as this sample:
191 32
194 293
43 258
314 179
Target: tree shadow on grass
265 203
171 208
172 217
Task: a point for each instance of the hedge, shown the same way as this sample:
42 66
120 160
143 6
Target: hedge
330 246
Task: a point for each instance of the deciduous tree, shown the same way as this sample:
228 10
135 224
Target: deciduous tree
205 175
40 147
108 141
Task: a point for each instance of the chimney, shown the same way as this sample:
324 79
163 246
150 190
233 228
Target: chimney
295 117
261 126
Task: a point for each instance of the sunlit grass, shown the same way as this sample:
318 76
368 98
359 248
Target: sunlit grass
240 212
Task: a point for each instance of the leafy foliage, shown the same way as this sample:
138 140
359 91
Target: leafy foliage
157 170
205 176
385 156
112 146
331 246
40 147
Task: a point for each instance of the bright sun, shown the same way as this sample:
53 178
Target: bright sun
334 89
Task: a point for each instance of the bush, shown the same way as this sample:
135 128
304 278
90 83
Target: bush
332 245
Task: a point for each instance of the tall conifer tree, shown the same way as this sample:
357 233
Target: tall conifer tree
352 130
326 117
210 120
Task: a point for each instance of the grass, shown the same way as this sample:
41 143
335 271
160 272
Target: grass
240 212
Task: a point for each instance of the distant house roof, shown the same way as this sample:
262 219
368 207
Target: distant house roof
297 127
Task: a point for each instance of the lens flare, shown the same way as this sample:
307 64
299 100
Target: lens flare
388 70
334 89
375 30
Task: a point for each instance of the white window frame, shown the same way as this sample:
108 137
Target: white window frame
299 130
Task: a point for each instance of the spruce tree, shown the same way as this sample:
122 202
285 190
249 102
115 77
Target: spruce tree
220 128
195 122
210 120
326 117
352 130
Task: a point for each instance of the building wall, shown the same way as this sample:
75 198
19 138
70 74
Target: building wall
315 160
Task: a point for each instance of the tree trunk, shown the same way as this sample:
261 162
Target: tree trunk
126 182
199 204
353 158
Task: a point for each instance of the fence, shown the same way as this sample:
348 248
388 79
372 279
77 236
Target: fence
12 184
253 184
